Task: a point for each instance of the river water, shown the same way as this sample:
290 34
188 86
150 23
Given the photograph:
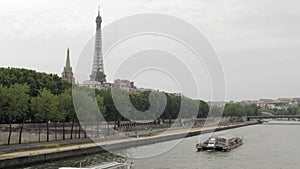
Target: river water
265 147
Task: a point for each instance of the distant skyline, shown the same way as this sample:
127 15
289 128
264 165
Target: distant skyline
257 41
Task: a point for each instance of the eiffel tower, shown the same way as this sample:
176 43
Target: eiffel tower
98 67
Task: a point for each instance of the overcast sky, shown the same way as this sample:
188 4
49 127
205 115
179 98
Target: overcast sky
258 41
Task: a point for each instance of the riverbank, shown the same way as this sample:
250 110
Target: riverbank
28 157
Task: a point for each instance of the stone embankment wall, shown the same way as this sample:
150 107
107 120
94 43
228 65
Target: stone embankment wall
37 132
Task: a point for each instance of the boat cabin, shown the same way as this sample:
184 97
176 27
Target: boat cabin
219 143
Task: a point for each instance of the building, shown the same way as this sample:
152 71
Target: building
216 103
264 102
283 100
125 85
96 85
247 102
67 74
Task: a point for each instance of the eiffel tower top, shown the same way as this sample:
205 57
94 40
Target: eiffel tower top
98 19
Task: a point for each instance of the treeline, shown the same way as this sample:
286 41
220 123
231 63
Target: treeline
237 110
35 80
175 106
294 110
29 96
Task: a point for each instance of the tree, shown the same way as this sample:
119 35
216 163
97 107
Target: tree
18 98
173 107
65 108
100 102
189 108
3 102
54 115
102 109
85 106
44 107
111 113
292 110
234 110
203 109
298 110
251 110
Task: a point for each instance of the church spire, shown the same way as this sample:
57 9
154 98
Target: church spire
67 74
68 64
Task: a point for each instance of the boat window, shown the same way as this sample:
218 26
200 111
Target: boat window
211 141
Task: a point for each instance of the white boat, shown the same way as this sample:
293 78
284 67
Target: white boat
219 144
111 165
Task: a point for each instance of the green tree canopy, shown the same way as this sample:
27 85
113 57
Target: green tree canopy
35 80
18 101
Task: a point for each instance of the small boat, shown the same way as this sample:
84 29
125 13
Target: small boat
111 165
219 144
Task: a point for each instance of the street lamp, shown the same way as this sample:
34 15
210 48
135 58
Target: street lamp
47 111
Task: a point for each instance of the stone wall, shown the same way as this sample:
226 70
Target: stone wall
37 132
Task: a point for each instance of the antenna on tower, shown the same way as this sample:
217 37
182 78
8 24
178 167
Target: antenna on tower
98 10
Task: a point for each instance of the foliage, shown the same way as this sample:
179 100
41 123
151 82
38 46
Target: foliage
3 102
65 106
85 105
44 106
35 80
294 110
27 95
232 109
18 101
